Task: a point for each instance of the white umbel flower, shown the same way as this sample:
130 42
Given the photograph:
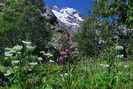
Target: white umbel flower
40 58
33 63
66 74
18 47
48 54
119 47
27 42
8 54
8 49
8 73
120 56
51 61
104 65
126 66
29 47
15 62
42 52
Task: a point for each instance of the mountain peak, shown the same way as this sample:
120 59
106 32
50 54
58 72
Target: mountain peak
67 17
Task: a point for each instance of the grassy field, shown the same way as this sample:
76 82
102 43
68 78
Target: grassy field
87 74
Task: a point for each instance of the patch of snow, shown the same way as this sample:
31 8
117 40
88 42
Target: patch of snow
68 16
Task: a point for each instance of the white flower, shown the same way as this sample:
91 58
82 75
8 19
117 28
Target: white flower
126 66
8 73
27 42
51 61
15 62
8 49
12 51
119 47
66 74
33 63
8 54
61 75
18 52
40 58
48 54
104 65
42 52
120 56
101 41
29 47
17 47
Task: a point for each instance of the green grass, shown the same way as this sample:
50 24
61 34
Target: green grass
87 74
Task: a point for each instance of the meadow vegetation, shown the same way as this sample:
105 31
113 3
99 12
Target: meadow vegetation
34 56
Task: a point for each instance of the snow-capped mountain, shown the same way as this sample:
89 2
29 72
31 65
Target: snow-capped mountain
68 18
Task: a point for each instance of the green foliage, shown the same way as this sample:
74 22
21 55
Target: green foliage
122 9
88 74
86 37
93 36
108 24
20 21
71 77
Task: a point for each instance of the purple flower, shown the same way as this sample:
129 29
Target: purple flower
61 59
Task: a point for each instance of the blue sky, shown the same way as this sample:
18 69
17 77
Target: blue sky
80 5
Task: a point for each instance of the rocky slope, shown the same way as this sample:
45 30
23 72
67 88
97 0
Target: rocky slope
65 18
68 18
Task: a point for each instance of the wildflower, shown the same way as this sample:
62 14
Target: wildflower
40 58
29 70
27 42
104 65
120 56
8 49
63 53
8 73
15 62
125 59
101 41
18 52
51 61
42 52
126 66
61 75
66 74
8 54
17 47
30 48
33 63
119 47
61 59
67 50
48 54
71 49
